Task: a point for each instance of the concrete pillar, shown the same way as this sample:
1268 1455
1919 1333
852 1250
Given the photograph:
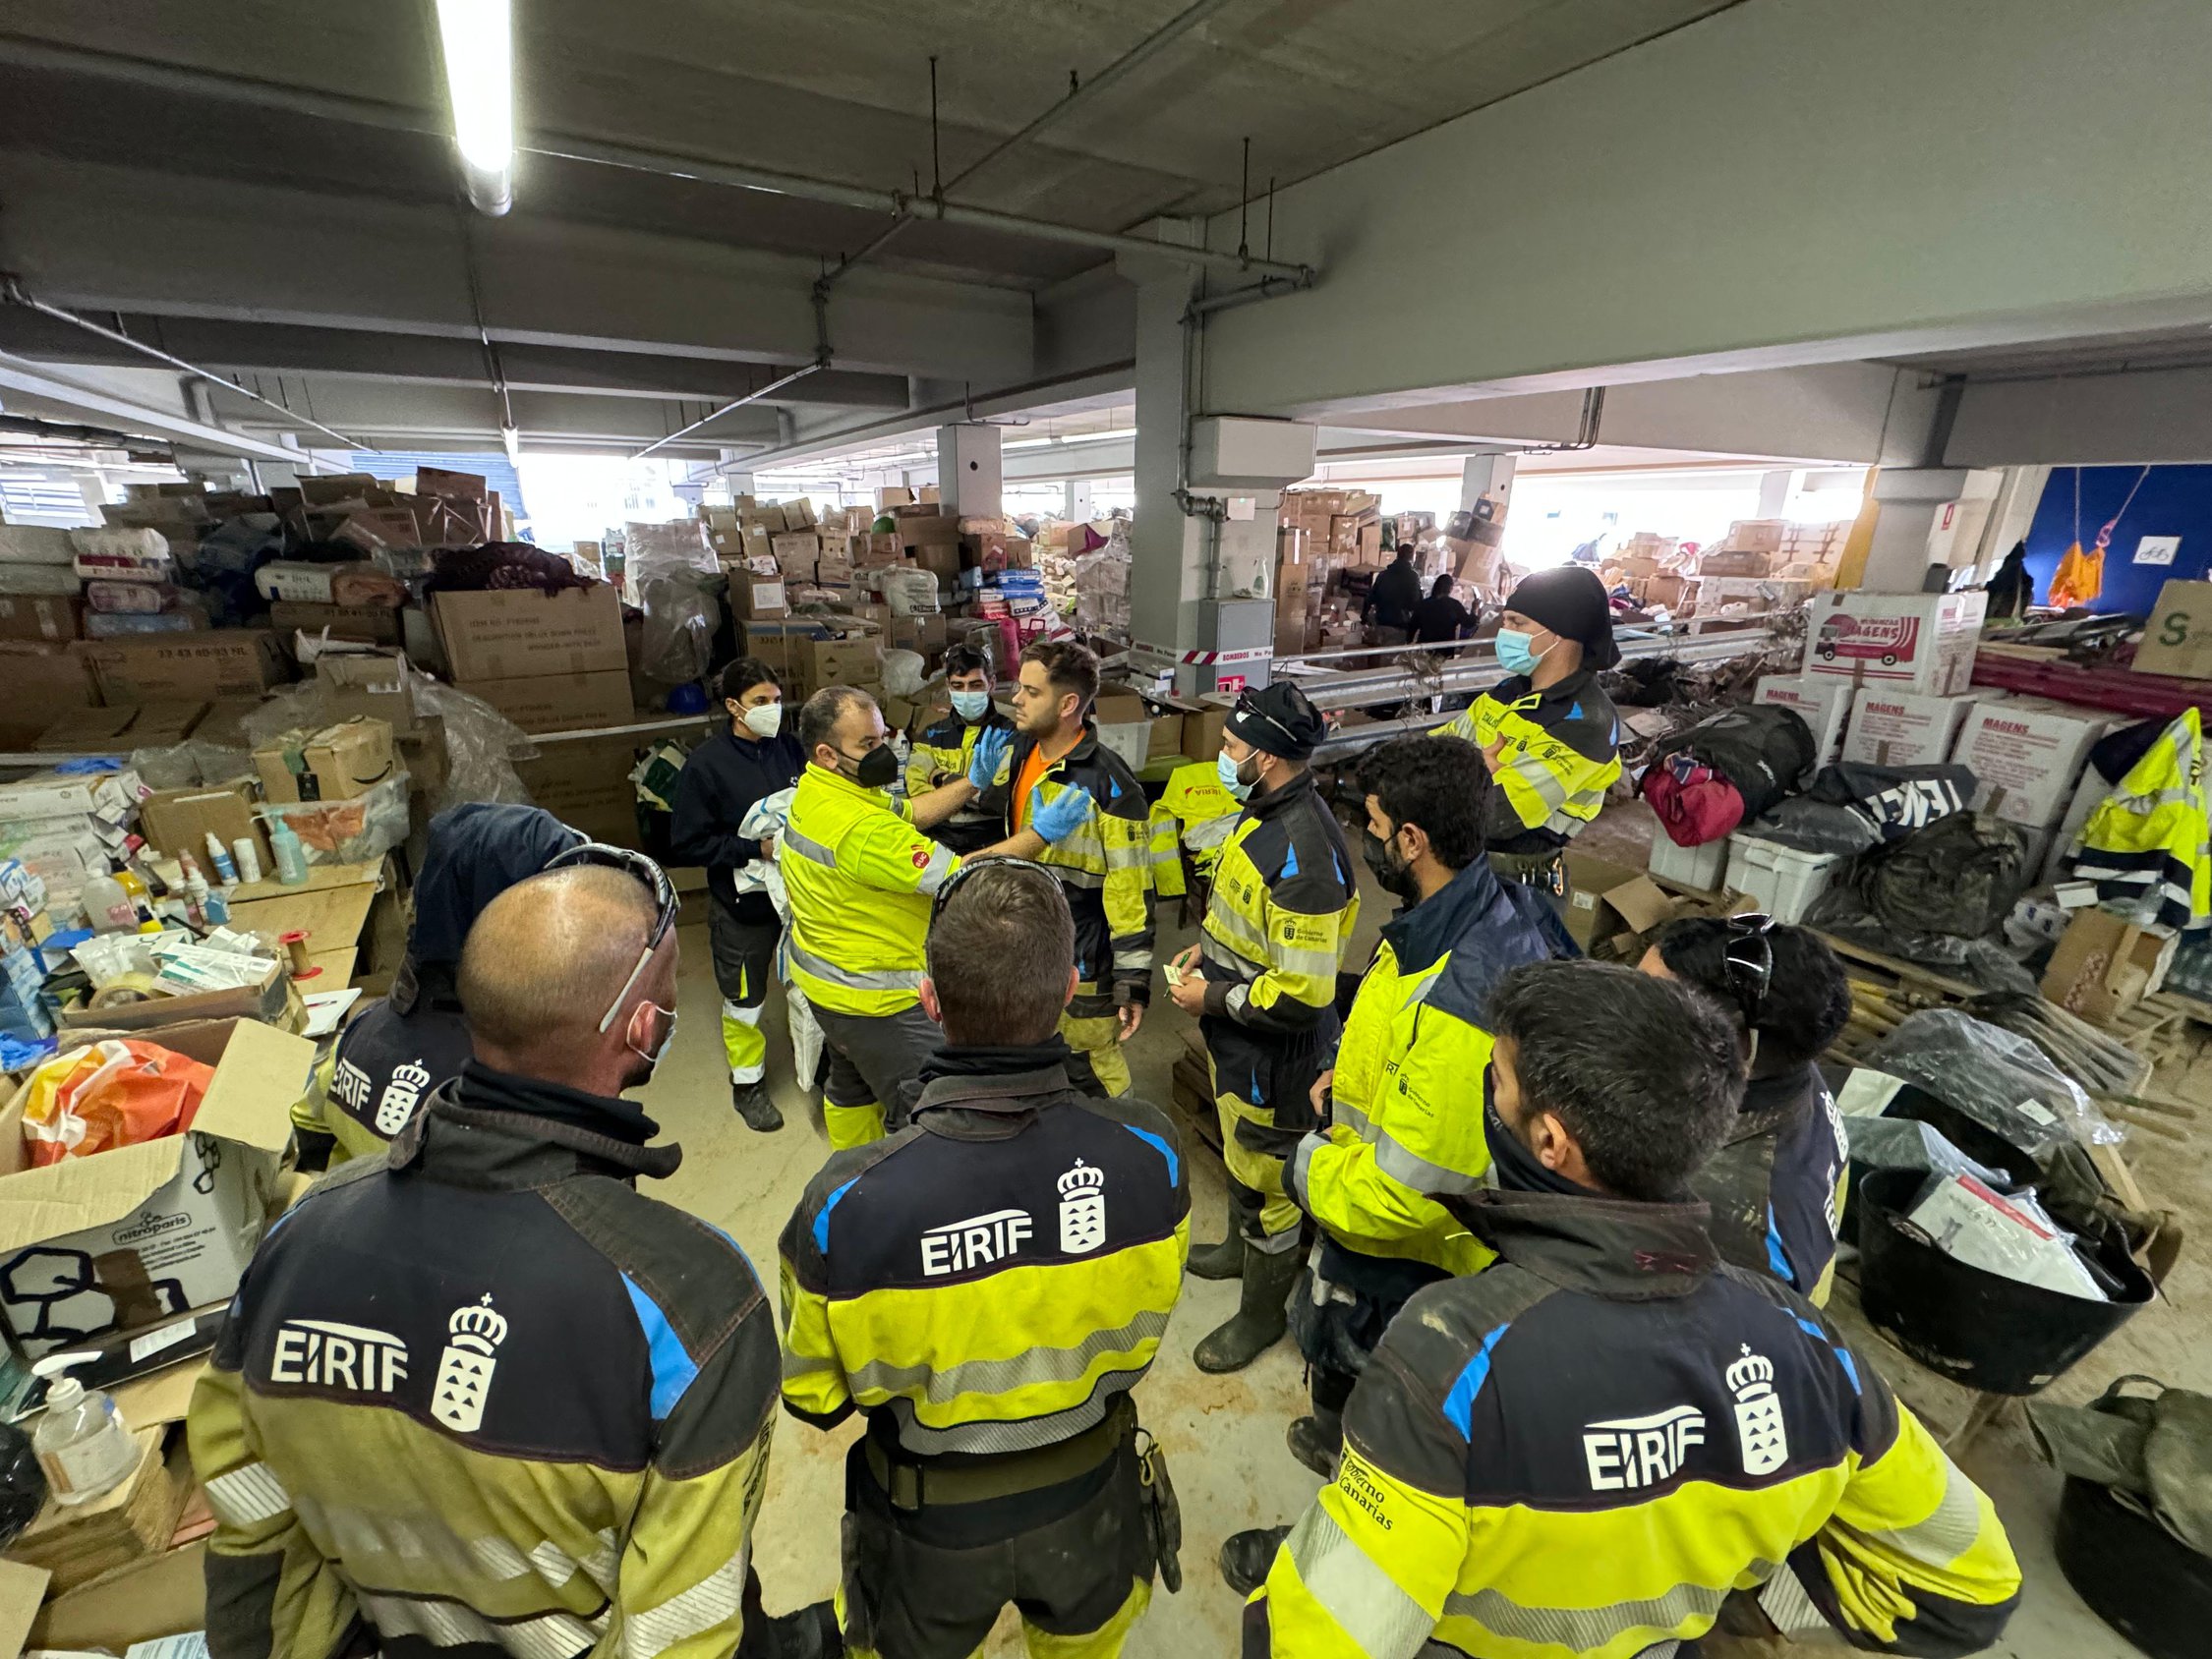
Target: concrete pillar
968 470
1912 500
1773 492
1168 574
1487 474
1077 508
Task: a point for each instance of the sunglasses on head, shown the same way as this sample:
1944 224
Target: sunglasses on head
1749 957
969 867
656 882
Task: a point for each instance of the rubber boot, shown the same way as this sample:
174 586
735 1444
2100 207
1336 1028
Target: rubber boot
1261 1314
1317 1441
754 1107
1247 1557
1225 1260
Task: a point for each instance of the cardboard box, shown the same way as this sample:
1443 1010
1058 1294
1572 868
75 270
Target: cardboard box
33 544
2105 964
1822 705
42 616
1591 879
112 796
63 852
46 679
2025 760
1167 736
87 730
848 662
560 702
137 1234
1201 732
1115 705
586 785
335 763
192 667
375 684
521 633
371 624
175 821
155 1596
752 597
156 726
925 634
1730 561
2178 639
272 1000
1893 729
1755 536
1909 642
918 531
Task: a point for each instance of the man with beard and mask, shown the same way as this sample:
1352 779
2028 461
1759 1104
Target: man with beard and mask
987 1286
1402 1132
723 780
480 1394
859 873
1592 1445
1546 732
1777 1183
946 749
394 1054
1261 983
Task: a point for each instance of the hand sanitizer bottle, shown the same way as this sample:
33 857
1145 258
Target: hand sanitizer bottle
81 1441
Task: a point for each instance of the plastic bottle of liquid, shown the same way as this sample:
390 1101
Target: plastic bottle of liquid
248 858
83 1441
291 857
107 903
219 860
196 893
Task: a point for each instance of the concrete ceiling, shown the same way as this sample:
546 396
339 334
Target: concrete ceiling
325 261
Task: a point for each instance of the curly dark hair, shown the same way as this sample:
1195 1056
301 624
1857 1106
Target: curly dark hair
1808 997
1437 782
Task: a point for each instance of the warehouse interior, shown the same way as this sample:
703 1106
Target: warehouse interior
837 331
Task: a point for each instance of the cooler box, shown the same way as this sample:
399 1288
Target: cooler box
1700 867
1785 881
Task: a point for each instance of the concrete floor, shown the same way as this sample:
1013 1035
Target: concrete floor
1224 1436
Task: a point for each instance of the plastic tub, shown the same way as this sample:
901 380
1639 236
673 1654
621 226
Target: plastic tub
2134 1575
1701 867
1992 1333
1785 881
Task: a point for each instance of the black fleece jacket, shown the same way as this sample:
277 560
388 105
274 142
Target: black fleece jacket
723 780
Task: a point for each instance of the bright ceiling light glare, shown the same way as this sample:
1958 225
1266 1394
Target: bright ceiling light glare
478 44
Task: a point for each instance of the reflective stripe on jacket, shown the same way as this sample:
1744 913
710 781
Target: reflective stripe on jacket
994 1275
1776 1185
1105 868
940 755
1581 1452
1560 755
2145 844
1282 912
1195 813
859 876
1406 1123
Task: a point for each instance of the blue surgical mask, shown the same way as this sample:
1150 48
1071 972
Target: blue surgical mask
971 705
1231 775
1516 652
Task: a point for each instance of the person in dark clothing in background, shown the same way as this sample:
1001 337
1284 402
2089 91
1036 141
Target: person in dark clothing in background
2011 589
1391 601
724 778
1440 616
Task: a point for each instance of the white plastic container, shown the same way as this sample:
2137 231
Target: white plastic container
1700 867
1784 881
83 1441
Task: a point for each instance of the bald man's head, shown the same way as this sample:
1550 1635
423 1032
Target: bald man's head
544 962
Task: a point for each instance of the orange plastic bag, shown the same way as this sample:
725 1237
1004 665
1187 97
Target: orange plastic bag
116 1093
2078 579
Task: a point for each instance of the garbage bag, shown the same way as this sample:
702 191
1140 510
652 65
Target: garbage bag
1906 1143
121 1092
2001 1080
1960 875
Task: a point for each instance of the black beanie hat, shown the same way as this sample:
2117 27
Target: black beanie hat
1279 719
1571 601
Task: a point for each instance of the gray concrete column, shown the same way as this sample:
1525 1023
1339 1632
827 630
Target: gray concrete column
1168 573
968 470
1077 508
1898 561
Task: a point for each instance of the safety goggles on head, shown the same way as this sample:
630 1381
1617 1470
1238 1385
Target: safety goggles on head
1749 957
656 882
969 867
1249 705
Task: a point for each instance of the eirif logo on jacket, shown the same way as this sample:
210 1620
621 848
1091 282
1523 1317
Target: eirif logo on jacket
464 1369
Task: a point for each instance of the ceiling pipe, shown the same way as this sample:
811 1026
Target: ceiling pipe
330 106
739 403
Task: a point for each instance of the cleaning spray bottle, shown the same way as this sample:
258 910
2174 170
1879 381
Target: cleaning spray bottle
83 1441
284 846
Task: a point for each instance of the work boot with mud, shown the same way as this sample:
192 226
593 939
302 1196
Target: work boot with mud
1261 1314
1225 1260
1247 1557
754 1105
1316 1442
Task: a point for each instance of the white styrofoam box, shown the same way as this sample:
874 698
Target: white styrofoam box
1700 867
1822 705
1910 642
1890 728
2034 755
1784 881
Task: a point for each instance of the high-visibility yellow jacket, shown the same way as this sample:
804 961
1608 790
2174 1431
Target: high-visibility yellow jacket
1406 1119
1579 1453
2145 844
859 876
940 755
1561 753
1284 905
1105 868
994 1276
1194 812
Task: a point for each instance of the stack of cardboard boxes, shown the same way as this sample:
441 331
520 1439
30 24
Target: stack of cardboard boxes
1319 534
64 831
547 661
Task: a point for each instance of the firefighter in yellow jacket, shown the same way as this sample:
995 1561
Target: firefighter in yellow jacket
986 1286
1104 863
1261 983
1546 732
1584 1449
1403 1130
943 750
859 872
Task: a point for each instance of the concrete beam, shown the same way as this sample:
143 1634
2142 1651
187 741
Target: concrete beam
2085 420
97 399
1796 181
424 416
124 239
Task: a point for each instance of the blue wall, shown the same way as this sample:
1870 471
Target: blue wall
2173 501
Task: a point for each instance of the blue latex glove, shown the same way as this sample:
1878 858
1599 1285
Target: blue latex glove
991 746
1058 818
